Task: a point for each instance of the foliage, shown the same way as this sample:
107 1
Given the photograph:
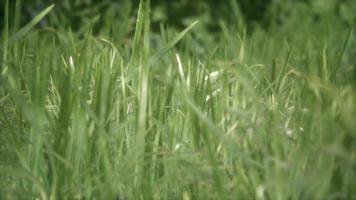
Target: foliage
178 13
96 103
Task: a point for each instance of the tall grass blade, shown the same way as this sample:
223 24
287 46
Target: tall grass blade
5 39
24 30
155 57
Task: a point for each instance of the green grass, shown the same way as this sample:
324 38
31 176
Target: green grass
252 115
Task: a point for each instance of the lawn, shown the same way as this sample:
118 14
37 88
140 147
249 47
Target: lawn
121 106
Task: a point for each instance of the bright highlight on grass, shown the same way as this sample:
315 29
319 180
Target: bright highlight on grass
254 114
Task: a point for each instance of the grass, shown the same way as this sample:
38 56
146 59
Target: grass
253 115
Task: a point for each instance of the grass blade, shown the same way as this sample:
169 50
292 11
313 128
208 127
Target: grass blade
6 37
24 30
154 58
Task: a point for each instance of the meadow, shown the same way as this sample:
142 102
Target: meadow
124 107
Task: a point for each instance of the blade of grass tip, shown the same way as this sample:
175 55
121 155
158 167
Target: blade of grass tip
6 37
146 30
242 45
18 6
338 61
24 30
17 21
282 75
236 11
273 70
180 69
324 64
154 58
138 34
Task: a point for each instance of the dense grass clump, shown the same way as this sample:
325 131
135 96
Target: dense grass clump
135 114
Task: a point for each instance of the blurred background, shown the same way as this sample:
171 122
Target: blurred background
288 21
179 13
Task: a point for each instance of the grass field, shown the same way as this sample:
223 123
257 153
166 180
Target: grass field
244 114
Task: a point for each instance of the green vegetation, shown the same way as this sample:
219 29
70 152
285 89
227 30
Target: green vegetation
113 109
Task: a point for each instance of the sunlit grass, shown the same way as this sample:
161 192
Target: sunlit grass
260 115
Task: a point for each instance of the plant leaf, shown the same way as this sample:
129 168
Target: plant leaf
154 58
24 30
